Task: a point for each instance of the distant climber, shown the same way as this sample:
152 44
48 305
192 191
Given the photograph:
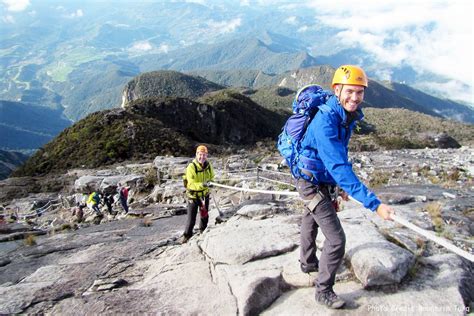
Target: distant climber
323 167
108 201
78 212
123 196
93 202
198 175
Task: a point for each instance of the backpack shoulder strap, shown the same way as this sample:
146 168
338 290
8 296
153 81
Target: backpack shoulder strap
202 169
195 167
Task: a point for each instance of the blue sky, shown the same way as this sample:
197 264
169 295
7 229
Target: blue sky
428 35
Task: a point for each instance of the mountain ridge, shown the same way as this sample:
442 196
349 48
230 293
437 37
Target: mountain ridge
379 94
9 161
156 126
166 83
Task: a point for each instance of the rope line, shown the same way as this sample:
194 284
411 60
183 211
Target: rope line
254 190
238 179
276 181
35 212
275 171
441 241
240 170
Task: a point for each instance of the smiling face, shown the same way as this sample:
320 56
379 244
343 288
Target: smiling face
350 96
201 157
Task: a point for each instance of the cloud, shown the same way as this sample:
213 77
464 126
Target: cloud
201 2
223 27
430 36
8 19
16 5
302 29
141 46
453 89
164 48
77 14
291 20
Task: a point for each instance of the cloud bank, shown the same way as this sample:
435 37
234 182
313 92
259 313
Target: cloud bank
16 5
430 36
222 27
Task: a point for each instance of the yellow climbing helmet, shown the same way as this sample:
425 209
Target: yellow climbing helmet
349 74
201 148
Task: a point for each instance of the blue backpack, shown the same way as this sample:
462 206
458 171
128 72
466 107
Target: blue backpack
96 197
305 106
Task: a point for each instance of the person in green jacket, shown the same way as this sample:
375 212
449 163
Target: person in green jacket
93 203
198 175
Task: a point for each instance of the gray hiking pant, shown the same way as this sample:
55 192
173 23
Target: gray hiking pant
323 216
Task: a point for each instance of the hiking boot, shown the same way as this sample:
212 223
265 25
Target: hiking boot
309 268
183 239
330 299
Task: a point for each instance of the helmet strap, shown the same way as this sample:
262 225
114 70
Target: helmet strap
340 92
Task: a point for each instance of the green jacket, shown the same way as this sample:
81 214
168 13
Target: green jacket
93 198
197 176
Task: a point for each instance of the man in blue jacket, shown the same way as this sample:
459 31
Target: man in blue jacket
324 168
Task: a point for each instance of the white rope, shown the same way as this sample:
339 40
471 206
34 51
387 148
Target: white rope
34 213
237 179
441 241
254 190
275 171
240 170
38 211
276 181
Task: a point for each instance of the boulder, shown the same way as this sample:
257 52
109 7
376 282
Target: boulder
87 184
374 260
242 241
443 140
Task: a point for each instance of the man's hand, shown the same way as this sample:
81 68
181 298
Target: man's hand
385 212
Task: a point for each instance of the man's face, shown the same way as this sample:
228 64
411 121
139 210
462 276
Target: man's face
350 96
201 157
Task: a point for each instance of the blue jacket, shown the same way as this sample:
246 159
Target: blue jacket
324 152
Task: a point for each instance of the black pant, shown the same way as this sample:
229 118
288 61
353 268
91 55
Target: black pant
109 205
96 209
193 206
324 216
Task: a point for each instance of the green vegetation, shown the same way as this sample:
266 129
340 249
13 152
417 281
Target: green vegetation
67 62
30 240
66 226
400 128
151 127
151 178
91 142
275 98
59 71
166 83
379 179
434 210
225 119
